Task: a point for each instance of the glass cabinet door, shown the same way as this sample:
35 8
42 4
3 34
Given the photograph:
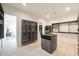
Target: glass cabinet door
64 27
55 27
74 27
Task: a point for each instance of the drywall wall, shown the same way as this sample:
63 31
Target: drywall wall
64 18
66 43
21 15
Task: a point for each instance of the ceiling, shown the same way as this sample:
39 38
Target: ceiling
46 10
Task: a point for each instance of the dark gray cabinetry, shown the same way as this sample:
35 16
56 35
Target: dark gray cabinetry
29 31
49 43
1 22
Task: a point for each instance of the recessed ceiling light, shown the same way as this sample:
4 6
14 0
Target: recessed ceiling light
67 9
24 4
47 15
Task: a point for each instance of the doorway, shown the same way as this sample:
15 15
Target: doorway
9 40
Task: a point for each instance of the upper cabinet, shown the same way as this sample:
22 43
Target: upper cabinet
1 14
74 27
65 27
55 27
66 24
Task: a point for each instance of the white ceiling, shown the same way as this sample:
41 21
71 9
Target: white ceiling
43 9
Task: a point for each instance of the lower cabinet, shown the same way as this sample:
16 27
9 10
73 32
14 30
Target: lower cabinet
29 32
1 31
49 43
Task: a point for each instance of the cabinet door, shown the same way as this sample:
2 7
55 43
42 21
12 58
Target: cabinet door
55 27
1 31
43 44
48 46
33 31
64 27
25 31
54 43
29 31
74 27
35 28
25 38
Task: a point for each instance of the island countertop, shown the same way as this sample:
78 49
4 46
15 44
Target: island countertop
48 36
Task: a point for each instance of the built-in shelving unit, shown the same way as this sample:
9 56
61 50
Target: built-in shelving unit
29 31
70 27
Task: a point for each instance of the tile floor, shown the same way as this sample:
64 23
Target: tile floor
33 49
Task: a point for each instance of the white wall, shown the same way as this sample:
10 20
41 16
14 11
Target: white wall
21 15
66 43
64 18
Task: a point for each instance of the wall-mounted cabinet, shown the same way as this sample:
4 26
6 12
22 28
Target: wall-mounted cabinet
65 27
55 28
74 27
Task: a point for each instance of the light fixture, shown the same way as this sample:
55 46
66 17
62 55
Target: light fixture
24 4
67 9
47 16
